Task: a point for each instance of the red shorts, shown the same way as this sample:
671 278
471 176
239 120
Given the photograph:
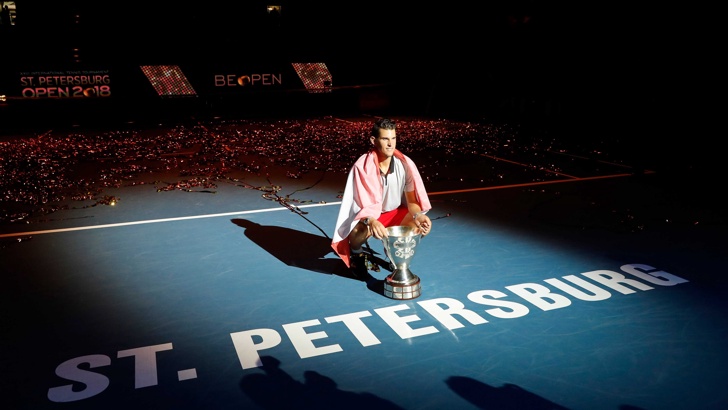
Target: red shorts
393 217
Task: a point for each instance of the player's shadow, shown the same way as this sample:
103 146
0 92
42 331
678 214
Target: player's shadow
294 248
303 250
276 389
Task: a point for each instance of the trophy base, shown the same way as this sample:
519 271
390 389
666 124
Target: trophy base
408 289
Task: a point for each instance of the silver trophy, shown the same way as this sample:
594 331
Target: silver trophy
400 249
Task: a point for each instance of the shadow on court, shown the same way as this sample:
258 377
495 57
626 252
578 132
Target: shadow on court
295 248
510 396
276 389
308 251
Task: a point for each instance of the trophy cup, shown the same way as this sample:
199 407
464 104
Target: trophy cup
400 248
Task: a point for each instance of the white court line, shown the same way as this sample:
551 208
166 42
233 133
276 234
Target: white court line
151 221
184 218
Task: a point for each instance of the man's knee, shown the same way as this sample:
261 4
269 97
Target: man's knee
358 235
360 230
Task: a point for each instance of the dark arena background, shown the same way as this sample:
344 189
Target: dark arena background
171 174
623 65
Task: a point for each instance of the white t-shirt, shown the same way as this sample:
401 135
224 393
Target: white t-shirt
394 185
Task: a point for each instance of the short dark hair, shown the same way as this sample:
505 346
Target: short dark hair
382 124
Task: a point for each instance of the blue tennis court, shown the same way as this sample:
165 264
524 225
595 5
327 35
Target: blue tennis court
197 273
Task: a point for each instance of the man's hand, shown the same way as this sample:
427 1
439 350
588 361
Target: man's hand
424 224
377 229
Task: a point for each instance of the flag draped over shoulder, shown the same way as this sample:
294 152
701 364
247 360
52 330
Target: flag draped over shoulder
363 197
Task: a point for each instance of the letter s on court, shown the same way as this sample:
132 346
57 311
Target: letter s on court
95 382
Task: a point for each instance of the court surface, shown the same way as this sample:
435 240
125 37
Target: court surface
200 276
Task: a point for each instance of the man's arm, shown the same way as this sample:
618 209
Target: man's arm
419 219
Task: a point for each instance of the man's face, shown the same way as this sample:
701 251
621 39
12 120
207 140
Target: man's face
385 143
